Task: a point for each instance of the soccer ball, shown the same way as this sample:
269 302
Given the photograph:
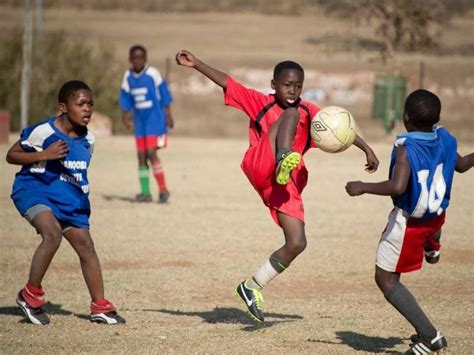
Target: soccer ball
333 129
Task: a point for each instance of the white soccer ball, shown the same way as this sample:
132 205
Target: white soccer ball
333 129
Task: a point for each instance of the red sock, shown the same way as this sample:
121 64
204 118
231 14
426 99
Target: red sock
159 175
34 296
102 306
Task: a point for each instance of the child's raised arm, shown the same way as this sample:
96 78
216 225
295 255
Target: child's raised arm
16 155
187 59
464 163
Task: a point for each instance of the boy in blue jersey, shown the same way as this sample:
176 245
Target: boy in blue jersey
144 92
51 191
421 173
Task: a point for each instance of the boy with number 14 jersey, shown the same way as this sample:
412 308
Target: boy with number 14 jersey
421 174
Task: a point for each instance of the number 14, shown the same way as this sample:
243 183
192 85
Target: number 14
430 200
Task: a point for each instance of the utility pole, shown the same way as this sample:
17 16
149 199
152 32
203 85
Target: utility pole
39 25
26 68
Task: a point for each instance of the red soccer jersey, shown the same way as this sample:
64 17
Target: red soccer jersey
259 160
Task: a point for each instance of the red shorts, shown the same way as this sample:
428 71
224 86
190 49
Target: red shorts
402 244
259 167
151 142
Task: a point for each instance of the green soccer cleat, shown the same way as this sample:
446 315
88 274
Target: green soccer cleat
253 300
286 165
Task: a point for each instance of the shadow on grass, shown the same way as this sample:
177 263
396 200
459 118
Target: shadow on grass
363 342
233 316
120 198
50 308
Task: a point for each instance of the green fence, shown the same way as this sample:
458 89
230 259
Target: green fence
388 99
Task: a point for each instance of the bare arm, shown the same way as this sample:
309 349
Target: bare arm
372 161
16 155
395 186
169 117
127 118
464 163
187 59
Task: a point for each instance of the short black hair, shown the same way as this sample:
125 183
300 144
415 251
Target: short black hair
287 64
136 47
69 88
423 108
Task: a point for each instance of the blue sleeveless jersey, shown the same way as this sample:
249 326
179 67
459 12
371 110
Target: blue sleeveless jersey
146 94
60 184
432 157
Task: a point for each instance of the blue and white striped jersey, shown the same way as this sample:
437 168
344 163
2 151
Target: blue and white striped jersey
432 157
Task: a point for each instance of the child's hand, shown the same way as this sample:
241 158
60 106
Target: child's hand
186 59
57 150
354 188
169 121
372 162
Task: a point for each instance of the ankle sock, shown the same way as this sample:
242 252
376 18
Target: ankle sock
102 306
34 296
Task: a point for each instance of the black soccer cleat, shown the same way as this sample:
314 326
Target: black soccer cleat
163 197
143 198
253 300
107 318
419 346
33 315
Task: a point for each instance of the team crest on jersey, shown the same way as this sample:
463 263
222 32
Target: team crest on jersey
318 126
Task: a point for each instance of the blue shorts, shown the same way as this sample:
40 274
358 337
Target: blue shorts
24 200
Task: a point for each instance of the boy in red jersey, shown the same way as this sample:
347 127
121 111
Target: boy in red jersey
278 137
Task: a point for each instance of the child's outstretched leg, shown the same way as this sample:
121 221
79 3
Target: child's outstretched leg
295 242
281 137
102 311
427 339
31 297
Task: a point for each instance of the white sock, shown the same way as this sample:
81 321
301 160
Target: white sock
263 276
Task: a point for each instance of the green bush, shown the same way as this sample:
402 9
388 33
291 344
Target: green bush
62 57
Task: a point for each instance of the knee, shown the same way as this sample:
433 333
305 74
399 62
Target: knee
85 248
151 154
52 237
297 245
384 280
292 113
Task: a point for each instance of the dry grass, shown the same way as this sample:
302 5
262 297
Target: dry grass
171 269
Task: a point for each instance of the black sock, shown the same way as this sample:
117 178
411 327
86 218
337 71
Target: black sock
406 304
281 152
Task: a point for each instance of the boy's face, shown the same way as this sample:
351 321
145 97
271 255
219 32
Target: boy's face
138 60
78 108
288 86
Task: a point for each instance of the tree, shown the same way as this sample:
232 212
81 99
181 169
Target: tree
406 25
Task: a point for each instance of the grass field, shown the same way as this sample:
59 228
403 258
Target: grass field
171 269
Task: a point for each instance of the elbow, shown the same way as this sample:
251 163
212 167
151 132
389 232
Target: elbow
398 190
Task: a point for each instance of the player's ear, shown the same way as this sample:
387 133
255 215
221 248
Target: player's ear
62 108
272 84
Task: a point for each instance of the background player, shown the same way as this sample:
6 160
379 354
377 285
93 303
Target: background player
421 174
279 136
51 191
145 93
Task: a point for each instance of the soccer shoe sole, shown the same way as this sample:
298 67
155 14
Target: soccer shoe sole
236 294
286 166
27 312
